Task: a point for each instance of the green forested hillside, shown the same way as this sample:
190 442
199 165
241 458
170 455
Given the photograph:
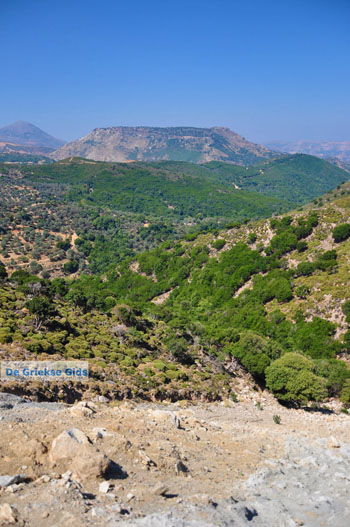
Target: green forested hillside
300 177
79 215
271 295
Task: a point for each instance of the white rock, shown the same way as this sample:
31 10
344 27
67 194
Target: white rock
160 490
5 481
74 449
105 487
8 515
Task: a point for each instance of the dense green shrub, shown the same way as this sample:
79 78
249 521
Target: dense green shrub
303 291
255 352
219 244
3 272
292 379
346 310
335 372
341 232
345 393
304 269
71 267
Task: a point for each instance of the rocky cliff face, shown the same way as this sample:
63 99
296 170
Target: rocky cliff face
198 145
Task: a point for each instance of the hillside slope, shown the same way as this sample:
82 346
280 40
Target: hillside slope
183 320
196 145
96 213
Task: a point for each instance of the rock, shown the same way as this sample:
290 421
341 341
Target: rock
130 496
146 460
159 490
73 449
5 481
8 515
333 443
105 487
99 433
83 409
44 479
176 421
180 467
101 399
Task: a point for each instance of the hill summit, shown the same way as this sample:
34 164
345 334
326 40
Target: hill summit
197 145
23 133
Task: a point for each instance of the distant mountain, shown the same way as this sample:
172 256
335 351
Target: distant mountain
23 137
196 145
327 149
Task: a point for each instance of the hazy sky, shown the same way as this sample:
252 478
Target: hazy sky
268 69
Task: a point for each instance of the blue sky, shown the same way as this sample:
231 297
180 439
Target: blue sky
268 69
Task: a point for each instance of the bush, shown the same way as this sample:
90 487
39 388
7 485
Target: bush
291 379
3 273
346 310
305 269
301 246
341 232
219 244
255 352
335 372
345 393
71 267
303 291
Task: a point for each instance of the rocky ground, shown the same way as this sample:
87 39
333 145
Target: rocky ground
100 464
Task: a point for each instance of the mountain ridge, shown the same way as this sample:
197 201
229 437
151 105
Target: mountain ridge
146 143
25 137
324 149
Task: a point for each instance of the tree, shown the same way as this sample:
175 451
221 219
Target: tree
345 393
3 272
71 267
341 232
292 379
41 307
255 352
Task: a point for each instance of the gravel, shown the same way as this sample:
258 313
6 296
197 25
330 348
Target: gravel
309 487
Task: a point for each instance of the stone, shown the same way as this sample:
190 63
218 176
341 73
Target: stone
180 467
83 409
74 450
130 496
44 479
5 481
176 421
146 460
333 443
105 487
98 433
159 490
102 399
8 515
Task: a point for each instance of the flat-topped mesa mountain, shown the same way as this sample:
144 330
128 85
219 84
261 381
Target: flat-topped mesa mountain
325 149
23 137
197 145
